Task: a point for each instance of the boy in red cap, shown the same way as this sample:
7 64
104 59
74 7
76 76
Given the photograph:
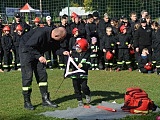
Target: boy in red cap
79 80
7 45
123 41
73 39
16 39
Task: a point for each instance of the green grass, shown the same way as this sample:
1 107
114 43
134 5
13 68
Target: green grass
105 86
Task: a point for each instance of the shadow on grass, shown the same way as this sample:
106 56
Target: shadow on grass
101 96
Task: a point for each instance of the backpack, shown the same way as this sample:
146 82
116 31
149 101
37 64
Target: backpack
136 101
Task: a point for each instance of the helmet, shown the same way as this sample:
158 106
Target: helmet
36 20
109 55
19 27
73 15
82 44
6 28
122 28
74 30
148 66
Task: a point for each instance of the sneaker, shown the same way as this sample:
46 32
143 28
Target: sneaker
80 103
92 68
88 99
130 69
110 69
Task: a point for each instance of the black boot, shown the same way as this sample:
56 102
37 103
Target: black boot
47 102
27 103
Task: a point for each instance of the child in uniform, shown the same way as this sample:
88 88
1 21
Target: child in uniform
108 45
94 53
7 45
16 39
143 61
124 44
79 80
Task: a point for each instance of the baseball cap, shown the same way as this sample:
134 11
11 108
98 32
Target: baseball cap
143 20
17 15
48 18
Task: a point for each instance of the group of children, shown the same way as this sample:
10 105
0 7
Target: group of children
9 46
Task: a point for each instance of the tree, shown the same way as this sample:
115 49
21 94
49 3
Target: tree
88 5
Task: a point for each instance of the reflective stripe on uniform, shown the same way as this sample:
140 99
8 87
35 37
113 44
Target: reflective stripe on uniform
93 55
19 64
26 88
128 63
88 63
110 63
92 65
157 66
48 61
43 84
5 65
76 59
83 60
153 61
61 65
120 63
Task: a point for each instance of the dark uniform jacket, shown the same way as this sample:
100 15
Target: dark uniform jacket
156 40
36 42
124 40
143 37
108 42
72 42
94 47
24 25
102 28
16 39
143 60
91 31
7 43
84 59
81 28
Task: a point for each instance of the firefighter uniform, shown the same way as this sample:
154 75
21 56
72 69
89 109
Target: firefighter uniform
81 29
7 45
16 40
79 80
32 46
108 45
64 45
123 51
94 56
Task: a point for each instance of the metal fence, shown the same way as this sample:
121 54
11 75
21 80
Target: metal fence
115 8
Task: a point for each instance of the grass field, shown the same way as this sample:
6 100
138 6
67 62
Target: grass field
105 86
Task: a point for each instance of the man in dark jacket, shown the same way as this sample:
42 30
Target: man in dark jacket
143 37
32 47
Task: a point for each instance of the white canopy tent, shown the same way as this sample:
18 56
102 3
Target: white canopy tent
78 10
